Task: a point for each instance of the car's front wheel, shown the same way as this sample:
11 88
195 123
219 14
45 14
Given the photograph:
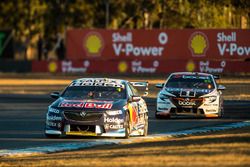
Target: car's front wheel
127 126
157 116
52 136
145 131
221 113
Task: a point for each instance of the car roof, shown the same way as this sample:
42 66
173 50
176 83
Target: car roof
191 73
99 79
99 82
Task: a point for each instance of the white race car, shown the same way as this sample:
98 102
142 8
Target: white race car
189 94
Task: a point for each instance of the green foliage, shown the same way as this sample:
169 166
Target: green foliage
28 18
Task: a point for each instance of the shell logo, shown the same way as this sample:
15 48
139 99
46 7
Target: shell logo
93 44
198 44
190 67
122 67
52 67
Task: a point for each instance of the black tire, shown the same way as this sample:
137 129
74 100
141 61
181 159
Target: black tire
145 131
221 113
161 117
157 116
51 136
127 126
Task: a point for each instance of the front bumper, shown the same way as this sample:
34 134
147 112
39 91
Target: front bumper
169 107
90 124
117 133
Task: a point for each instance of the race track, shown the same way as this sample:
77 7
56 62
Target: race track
22 119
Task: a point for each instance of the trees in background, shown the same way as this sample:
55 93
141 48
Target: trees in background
30 18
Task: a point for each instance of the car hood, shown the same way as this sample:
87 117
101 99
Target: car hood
182 92
89 104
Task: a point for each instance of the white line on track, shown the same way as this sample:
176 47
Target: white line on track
77 146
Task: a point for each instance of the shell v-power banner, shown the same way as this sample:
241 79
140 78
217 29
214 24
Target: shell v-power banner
170 44
153 51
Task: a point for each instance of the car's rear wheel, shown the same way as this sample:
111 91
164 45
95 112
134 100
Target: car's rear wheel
145 131
127 126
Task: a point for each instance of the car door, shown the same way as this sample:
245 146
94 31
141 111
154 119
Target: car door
133 106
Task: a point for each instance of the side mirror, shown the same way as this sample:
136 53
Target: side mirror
55 95
159 85
216 76
134 98
221 87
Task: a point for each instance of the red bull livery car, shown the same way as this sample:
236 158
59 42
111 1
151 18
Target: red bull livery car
189 94
98 107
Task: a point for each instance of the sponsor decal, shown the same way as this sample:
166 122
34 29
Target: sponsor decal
115 126
210 110
53 118
173 89
123 45
81 133
93 44
108 126
53 124
137 67
186 102
210 105
204 67
49 123
98 106
142 107
81 104
67 67
198 44
53 110
72 104
113 120
98 82
116 112
133 112
227 44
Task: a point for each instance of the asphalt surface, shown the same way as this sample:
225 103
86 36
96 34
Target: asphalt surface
22 119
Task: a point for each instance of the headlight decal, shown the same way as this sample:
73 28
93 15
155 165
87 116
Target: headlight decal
211 99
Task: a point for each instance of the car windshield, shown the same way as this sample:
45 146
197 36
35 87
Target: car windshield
190 82
94 92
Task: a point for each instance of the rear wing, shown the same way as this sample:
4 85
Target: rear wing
142 87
